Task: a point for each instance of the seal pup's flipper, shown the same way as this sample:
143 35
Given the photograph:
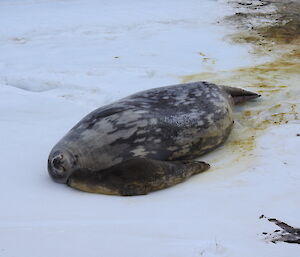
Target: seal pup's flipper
137 176
240 95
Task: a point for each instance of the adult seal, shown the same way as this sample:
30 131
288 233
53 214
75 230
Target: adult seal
146 141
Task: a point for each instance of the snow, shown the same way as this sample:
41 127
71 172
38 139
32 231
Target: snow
61 59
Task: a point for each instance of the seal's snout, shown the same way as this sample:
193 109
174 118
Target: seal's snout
59 167
57 162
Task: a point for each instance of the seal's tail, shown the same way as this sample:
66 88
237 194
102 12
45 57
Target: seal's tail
240 95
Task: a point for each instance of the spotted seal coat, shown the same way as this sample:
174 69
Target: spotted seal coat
146 141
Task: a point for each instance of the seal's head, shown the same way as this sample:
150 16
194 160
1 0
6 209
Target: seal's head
61 164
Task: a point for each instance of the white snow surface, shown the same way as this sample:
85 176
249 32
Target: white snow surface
61 59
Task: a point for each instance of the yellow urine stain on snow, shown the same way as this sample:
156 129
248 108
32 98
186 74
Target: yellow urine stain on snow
245 144
197 76
274 32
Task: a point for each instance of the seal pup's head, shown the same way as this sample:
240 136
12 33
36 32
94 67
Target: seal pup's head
61 164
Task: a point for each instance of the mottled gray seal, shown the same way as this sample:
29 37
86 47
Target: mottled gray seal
146 141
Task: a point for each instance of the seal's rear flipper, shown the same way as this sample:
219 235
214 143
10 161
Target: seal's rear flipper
240 95
137 176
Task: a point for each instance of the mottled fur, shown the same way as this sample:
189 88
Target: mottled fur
178 122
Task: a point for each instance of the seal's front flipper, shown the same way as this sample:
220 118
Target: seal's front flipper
136 176
240 95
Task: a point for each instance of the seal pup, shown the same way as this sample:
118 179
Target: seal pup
146 141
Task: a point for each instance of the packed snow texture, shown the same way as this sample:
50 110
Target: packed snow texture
61 59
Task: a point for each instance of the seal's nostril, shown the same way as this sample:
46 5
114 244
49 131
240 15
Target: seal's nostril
57 162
